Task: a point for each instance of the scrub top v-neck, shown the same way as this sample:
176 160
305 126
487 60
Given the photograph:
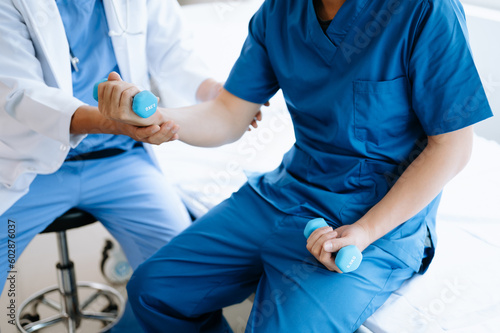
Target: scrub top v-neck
363 98
324 24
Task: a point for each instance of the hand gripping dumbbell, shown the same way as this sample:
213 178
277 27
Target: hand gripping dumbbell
144 103
348 258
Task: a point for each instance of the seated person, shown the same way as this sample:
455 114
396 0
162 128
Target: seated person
383 95
47 108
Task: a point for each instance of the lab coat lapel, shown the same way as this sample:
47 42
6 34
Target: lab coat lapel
114 13
127 46
49 37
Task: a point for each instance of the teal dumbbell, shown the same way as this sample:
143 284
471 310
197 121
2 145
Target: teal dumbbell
348 258
144 103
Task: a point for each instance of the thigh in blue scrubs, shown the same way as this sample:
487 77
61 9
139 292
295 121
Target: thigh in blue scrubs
363 94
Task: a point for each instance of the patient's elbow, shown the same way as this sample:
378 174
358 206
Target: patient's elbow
465 145
462 148
455 146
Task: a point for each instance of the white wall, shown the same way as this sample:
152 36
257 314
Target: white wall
490 4
484 31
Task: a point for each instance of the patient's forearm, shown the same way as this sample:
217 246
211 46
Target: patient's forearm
214 123
440 161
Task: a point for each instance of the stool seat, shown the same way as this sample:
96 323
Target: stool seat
73 218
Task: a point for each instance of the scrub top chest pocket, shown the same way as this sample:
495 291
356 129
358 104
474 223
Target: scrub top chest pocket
381 110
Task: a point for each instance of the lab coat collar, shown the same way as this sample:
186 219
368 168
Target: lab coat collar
43 19
341 25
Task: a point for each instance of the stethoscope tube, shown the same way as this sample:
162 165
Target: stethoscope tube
124 30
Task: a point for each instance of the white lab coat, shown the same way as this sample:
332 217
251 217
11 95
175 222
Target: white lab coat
36 96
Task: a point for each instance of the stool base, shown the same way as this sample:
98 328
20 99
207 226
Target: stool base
29 319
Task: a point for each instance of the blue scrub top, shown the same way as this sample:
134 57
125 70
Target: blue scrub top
87 32
363 99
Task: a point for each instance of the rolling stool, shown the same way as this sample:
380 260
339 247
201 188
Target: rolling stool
69 311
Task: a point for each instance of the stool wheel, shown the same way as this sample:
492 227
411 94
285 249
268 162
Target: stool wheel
111 308
29 318
102 304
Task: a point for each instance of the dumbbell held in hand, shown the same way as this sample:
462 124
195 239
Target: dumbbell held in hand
144 104
348 258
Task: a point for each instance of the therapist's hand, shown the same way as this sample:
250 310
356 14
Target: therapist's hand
88 120
154 134
326 241
115 102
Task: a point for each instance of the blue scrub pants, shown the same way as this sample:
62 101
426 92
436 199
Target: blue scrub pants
127 193
245 245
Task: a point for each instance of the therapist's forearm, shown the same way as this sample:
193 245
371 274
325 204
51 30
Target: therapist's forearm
88 120
443 158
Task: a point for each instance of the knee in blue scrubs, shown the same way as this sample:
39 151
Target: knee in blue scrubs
184 285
